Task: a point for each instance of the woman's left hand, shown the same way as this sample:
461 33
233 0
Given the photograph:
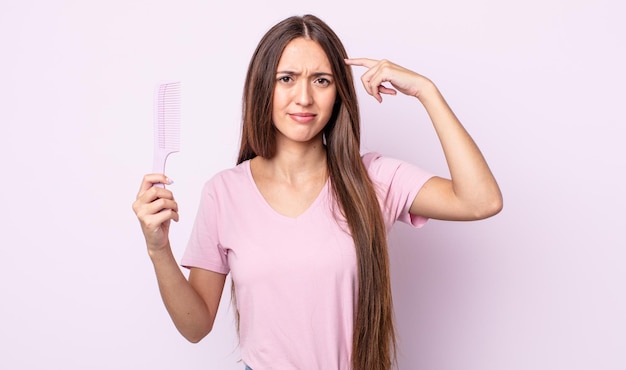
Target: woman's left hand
381 71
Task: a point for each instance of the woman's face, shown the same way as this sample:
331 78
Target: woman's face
304 93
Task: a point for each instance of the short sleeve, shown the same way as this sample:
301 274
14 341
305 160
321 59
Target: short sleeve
397 184
204 249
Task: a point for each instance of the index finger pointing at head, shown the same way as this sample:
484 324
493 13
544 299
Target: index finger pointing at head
363 62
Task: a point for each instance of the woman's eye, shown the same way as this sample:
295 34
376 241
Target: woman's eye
323 81
284 78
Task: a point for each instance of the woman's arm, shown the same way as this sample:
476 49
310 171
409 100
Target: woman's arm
472 192
192 304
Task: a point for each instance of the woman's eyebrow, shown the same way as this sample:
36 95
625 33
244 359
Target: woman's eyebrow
314 74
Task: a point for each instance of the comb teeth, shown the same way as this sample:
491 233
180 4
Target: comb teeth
168 116
166 124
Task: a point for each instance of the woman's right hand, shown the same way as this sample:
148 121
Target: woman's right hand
155 207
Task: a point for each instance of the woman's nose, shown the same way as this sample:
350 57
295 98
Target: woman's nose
303 93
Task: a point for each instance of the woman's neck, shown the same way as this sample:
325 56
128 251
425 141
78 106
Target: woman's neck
295 163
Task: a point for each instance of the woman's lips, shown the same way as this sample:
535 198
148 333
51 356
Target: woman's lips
302 117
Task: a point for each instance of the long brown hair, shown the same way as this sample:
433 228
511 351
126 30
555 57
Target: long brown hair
373 344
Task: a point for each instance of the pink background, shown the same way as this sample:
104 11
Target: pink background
539 84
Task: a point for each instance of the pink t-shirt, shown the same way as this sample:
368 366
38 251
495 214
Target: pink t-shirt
295 278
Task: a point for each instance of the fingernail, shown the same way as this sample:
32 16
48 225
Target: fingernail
169 181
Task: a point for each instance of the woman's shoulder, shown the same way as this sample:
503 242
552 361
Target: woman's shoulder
375 161
369 157
380 166
230 178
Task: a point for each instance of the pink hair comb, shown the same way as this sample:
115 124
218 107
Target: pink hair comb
166 124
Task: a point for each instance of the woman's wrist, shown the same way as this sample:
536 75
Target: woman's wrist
160 254
428 91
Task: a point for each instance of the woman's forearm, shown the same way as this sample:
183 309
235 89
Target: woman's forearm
472 180
185 306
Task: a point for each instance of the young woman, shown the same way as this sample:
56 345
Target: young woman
301 222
